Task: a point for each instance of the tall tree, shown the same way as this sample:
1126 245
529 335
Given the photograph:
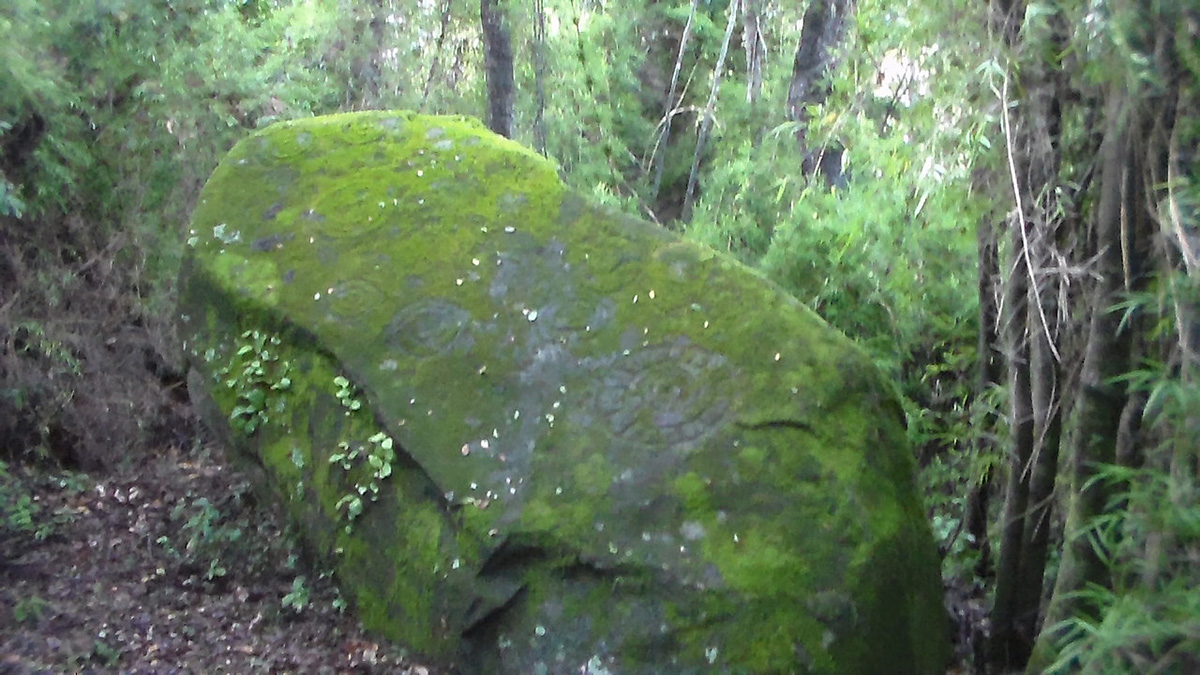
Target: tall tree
671 105
1031 130
707 120
369 26
539 74
825 23
755 46
498 65
438 48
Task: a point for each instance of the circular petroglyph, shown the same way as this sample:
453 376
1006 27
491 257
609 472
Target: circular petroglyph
668 396
353 299
429 327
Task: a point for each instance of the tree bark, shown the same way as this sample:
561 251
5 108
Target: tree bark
1004 650
823 28
989 375
498 66
755 47
660 157
1040 474
365 92
539 74
1102 399
1032 133
439 46
706 123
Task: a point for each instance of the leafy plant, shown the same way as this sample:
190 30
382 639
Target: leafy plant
259 378
339 603
1149 619
207 538
376 457
30 609
346 395
104 652
298 598
373 458
21 513
10 202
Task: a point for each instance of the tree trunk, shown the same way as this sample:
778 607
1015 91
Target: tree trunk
1040 474
989 375
823 28
1121 206
439 47
365 91
539 74
706 123
660 157
498 66
1004 649
1032 133
1182 228
755 47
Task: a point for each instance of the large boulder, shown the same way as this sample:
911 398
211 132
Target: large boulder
534 436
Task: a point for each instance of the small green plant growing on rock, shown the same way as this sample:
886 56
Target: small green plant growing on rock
256 374
346 395
377 454
375 457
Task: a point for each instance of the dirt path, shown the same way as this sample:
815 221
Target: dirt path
166 567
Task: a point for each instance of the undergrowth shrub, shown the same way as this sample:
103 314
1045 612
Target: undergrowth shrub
1149 619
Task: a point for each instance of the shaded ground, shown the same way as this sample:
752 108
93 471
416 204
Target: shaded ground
167 567
172 567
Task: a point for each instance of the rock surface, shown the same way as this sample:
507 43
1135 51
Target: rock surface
533 436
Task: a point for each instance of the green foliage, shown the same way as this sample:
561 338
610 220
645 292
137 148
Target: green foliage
30 609
1149 621
259 380
298 598
206 538
346 395
21 514
890 257
103 652
373 458
15 500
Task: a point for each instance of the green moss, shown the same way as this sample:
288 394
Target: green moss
693 492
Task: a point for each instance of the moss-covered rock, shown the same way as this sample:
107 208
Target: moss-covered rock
533 436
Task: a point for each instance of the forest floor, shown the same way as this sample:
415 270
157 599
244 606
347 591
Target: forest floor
168 567
165 567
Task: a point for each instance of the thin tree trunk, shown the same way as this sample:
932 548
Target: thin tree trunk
755 47
1032 140
1041 474
1184 233
367 68
539 74
706 124
1003 650
498 66
660 157
439 45
989 375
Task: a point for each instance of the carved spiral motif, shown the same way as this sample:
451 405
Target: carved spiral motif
665 396
428 328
